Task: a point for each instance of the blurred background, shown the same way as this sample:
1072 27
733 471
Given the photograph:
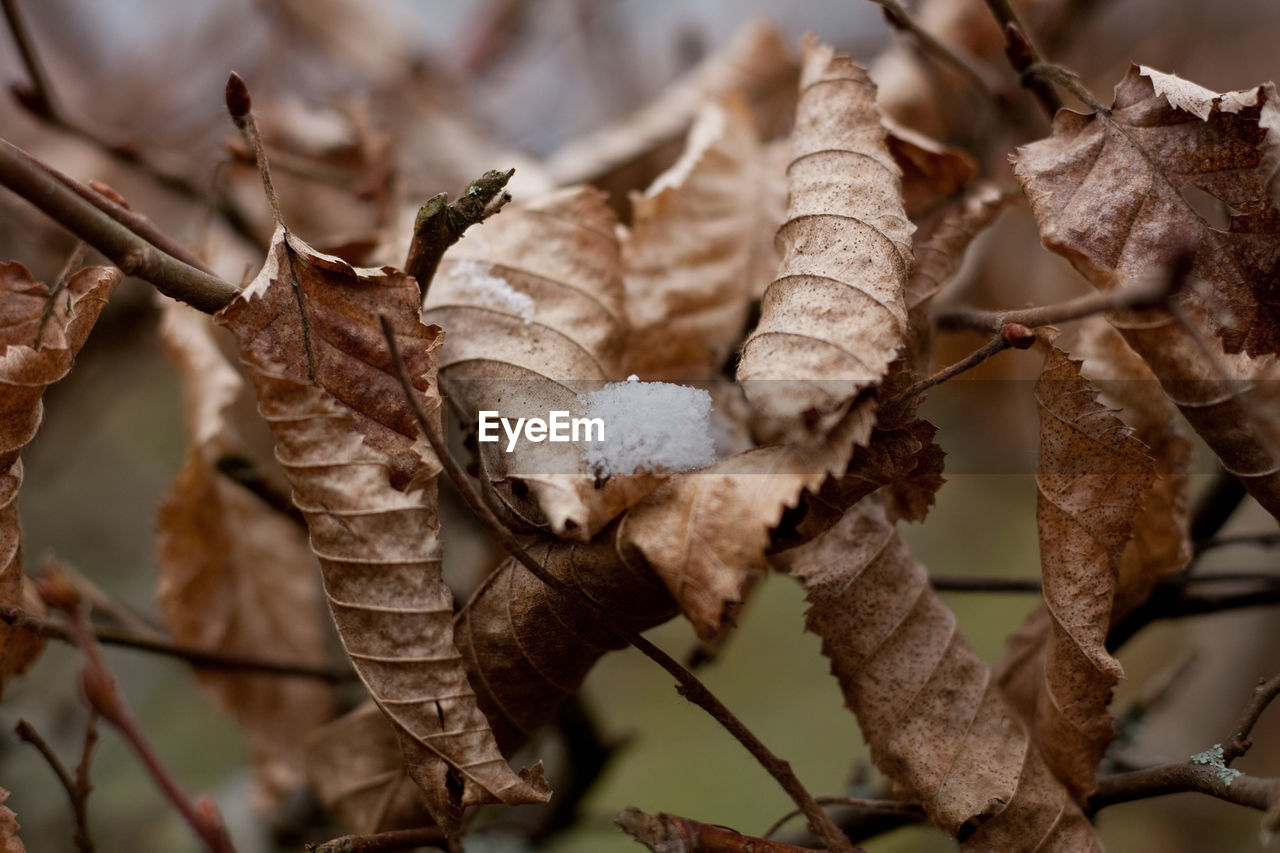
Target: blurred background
433 92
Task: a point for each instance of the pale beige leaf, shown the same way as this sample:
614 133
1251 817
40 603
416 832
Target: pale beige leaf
834 317
9 840
755 63
533 303
237 576
40 334
705 533
309 335
1116 193
1092 477
697 252
935 721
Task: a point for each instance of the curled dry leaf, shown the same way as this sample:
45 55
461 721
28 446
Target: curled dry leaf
40 334
705 533
935 721
668 833
235 575
526 649
308 333
756 63
931 171
1116 193
834 317
701 248
533 303
9 840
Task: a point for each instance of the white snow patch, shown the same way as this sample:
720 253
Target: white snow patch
651 427
493 291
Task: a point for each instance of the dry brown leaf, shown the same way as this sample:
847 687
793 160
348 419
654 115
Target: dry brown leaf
1161 543
668 833
700 249
533 302
308 333
1092 478
1113 193
526 648
705 533
834 317
931 171
935 721
40 335
755 63
237 576
9 840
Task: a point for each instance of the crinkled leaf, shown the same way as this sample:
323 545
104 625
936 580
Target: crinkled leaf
700 249
935 721
309 335
834 317
40 335
9 840
1114 193
236 576
1091 478
931 170
533 304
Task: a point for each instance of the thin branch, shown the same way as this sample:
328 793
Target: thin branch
1185 777
382 842
99 689
900 19
1023 54
36 182
997 344
1215 505
1268 539
1154 293
1237 742
77 787
202 658
240 106
689 685
909 810
39 100
961 583
440 223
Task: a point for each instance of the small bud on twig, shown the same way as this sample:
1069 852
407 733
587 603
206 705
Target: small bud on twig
238 101
1018 336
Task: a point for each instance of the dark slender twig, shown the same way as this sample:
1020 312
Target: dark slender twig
35 182
588 753
440 223
955 583
1215 505
689 685
19 618
1268 539
77 786
997 344
39 100
902 20
1147 294
99 689
1243 790
381 842
245 473
908 809
1023 54
1237 742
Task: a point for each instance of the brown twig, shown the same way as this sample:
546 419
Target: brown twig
36 182
1023 54
39 100
1184 777
1215 505
99 689
78 786
440 223
202 658
1147 294
997 344
1237 742
909 810
688 684
900 19
240 106
381 842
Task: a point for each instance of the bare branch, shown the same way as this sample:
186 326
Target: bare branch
77 787
1250 791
